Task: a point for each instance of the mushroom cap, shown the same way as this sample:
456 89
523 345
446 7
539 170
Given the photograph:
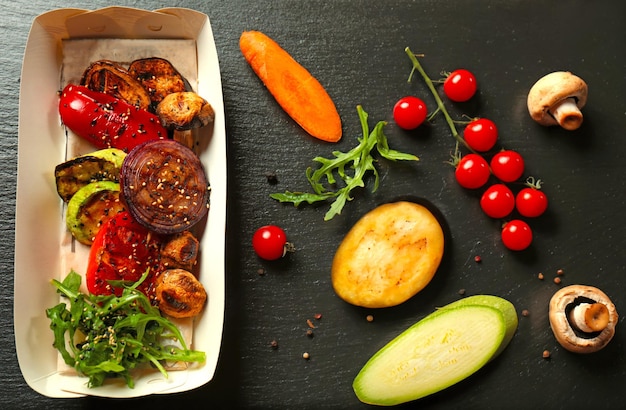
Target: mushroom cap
552 89
562 301
184 110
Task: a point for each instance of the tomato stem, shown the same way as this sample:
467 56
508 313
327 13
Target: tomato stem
440 106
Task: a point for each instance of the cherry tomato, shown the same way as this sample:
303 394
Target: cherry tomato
507 165
531 202
472 171
270 242
460 85
498 201
517 235
409 112
481 134
122 250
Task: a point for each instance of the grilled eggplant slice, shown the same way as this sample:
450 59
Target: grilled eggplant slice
159 77
164 186
100 165
111 78
180 251
179 294
184 111
91 207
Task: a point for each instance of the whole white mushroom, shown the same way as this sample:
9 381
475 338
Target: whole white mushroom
556 99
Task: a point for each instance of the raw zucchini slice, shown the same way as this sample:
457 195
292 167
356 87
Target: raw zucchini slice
440 350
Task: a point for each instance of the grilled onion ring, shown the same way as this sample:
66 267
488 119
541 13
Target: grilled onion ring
164 186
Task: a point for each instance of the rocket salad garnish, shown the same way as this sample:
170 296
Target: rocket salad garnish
108 336
359 159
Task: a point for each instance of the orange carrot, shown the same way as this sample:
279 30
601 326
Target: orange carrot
301 95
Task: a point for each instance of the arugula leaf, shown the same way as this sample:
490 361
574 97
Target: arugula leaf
104 336
358 160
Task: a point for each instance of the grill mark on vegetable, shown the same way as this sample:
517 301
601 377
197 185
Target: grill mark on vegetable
165 186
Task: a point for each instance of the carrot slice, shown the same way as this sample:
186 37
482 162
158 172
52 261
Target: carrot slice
301 95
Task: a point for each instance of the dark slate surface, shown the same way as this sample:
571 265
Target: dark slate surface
355 48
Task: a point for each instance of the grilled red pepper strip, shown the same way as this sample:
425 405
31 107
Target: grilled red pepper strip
107 121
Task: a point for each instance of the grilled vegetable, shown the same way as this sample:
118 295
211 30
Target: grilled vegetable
164 186
180 251
101 165
107 121
122 251
179 294
91 207
184 111
111 78
158 77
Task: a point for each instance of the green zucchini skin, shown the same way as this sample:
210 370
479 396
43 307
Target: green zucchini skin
445 347
101 165
91 207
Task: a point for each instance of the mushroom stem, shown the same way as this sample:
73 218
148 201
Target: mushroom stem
567 114
589 317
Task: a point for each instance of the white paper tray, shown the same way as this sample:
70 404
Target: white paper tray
40 232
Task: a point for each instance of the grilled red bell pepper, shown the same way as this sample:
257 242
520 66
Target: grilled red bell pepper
107 121
123 250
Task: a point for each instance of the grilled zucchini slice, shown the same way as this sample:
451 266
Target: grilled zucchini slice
100 165
91 207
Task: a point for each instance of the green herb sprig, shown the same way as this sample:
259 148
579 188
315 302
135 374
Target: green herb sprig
108 336
350 167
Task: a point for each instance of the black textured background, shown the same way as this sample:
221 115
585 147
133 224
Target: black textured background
356 49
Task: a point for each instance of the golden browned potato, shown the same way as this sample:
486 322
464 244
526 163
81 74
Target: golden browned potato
388 256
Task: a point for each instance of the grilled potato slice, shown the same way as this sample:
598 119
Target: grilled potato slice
388 256
159 77
111 78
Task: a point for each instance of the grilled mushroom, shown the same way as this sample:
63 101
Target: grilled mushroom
582 318
179 294
556 99
182 112
180 251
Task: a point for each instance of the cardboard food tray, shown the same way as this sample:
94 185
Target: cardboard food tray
52 58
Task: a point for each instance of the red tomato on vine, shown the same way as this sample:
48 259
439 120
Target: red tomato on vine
460 85
531 202
498 201
481 134
507 165
472 171
517 235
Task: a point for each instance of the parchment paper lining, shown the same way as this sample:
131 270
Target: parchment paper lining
77 56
